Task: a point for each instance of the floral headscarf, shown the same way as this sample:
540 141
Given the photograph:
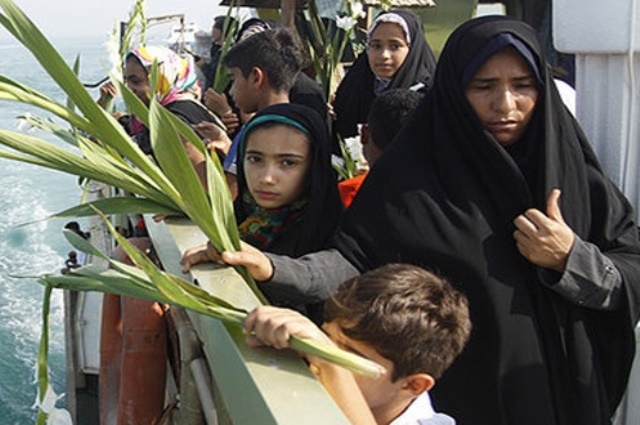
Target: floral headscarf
177 77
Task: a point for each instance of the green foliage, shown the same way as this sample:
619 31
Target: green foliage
148 282
346 165
229 28
102 151
136 27
327 54
43 356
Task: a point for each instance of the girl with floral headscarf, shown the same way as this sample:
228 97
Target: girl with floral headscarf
133 351
177 88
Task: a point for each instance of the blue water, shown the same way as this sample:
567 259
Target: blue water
28 193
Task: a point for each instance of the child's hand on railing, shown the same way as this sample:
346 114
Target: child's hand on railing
205 253
256 262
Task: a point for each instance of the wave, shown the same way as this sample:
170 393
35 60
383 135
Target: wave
26 251
29 193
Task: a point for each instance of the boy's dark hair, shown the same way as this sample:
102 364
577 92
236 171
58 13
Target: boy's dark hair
388 113
410 316
275 51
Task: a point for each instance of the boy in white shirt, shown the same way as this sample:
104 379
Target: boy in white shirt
403 317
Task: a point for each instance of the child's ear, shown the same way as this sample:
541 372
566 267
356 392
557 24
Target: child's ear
418 383
258 77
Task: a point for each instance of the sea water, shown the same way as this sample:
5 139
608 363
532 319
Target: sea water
29 193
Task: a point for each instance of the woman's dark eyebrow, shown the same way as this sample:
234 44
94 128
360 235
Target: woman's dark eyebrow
280 155
489 79
525 77
380 39
290 155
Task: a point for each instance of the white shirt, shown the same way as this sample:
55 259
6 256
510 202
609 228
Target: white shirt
420 412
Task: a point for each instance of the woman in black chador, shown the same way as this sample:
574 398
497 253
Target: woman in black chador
493 184
470 190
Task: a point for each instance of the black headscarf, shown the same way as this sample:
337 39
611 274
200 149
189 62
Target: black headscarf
444 196
355 94
323 208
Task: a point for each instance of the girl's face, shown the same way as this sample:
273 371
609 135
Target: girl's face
387 49
503 93
276 165
137 79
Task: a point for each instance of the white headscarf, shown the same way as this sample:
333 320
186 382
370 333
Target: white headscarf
393 18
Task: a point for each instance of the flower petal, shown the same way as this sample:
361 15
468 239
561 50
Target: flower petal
59 417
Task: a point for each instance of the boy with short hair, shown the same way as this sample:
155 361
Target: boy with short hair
387 116
409 320
263 68
388 113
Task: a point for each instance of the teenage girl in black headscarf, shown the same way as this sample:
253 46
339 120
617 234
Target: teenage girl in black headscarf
471 188
362 84
313 217
308 218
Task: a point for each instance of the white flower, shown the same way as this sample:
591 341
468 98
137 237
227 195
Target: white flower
357 11
345 22
337 162
48 401
354 147
59 417
112 46
55 416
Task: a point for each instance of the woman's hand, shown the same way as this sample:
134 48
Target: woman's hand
545 240
107 92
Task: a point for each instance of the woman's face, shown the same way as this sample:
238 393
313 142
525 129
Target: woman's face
503 94
387 50
137 79
276 165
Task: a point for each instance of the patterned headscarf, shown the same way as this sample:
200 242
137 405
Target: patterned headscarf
177 77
